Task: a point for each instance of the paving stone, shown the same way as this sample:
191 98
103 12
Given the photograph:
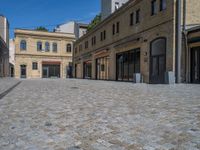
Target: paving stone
51 114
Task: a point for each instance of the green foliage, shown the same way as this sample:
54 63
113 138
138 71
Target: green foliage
94 22
41 29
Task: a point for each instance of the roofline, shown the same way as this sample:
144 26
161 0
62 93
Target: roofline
107 19
42 31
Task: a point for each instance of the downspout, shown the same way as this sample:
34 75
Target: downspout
178 41
186 42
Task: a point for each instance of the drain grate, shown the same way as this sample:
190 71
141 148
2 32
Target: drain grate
74 88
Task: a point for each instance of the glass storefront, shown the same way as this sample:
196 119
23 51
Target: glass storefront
128 63
50 71
87 70
102 68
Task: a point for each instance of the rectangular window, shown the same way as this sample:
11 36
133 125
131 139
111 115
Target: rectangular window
86 44
104 34
137 16
153 7
131 19
117 31
55 47
163 5
34 65
113 29
93 40
101 36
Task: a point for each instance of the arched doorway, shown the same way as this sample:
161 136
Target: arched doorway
158 61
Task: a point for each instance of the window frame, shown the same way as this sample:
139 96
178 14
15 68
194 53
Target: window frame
104 34
153 7
34 65
39 46
117 27
86 44
47 46
137 16
55 47
23 45
132 19
69 48
161 5
113 29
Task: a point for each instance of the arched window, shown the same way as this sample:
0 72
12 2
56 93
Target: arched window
47 47
158 47
55 47
158 60
69 48
23 45
39 46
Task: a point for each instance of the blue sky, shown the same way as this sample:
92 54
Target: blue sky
32 13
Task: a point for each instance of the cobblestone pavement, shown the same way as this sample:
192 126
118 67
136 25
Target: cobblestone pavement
6 83
99 115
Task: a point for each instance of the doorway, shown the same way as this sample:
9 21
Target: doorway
23 71
45 72
195 65
158 61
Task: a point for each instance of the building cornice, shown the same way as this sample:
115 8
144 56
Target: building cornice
46 56
43 33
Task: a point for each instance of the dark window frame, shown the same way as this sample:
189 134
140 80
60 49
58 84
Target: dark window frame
69 48
132 19
86 44
23 45
137 18
117 27
153 7
47 47
136 61
162 5
39 46
113 29
104 34
55 47
34 66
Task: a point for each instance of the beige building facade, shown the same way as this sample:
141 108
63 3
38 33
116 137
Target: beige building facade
136 40
41 54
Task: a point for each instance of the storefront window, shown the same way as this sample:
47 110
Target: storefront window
102 68
87 70
128 63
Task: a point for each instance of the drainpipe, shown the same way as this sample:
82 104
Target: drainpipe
186 42
178 41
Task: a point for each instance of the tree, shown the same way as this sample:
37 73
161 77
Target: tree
94 22
41 29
